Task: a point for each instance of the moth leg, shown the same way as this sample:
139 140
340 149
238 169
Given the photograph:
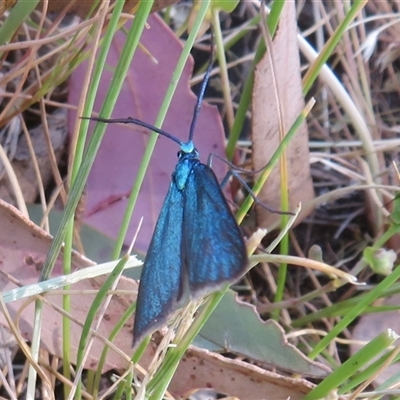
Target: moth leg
236 171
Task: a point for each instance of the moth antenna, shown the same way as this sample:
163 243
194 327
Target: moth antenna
202 89
138 122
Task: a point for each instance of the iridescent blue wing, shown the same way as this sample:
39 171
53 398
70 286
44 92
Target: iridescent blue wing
212 243
160 282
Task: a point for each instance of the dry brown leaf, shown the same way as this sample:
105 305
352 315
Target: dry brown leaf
203 369
23 248
265 124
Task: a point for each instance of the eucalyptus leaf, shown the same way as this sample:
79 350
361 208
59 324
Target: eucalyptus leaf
236 327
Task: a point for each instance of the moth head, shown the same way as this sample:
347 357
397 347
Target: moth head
188 150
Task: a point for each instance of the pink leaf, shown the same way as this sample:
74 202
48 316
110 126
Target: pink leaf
121 151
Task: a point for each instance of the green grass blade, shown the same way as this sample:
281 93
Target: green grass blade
355 311
94 308
245 98
16 17
352 365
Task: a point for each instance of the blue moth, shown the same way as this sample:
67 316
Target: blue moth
197 247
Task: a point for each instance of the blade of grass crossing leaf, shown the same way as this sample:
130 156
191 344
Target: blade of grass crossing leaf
93 311
160 118
355 311
245 98
260 183
284 244
127 315
352 365
274 160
